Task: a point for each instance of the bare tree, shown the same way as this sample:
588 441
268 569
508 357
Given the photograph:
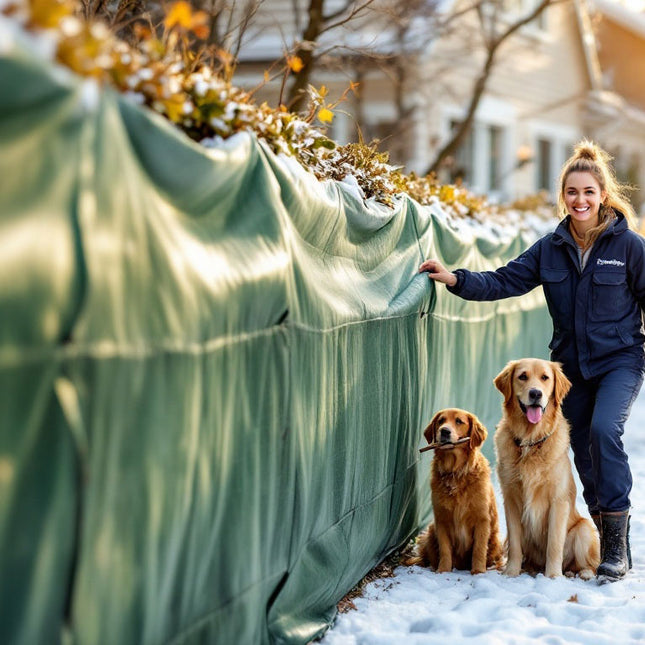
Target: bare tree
495 32
411 25
404 29
121 14
319 23
404 22
229 20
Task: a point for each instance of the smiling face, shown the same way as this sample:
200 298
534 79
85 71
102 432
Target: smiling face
582 198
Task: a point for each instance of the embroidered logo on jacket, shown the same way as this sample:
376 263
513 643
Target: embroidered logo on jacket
616 263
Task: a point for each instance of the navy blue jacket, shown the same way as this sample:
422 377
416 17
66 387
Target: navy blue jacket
597 319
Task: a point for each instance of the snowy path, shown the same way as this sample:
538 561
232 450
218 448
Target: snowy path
418 606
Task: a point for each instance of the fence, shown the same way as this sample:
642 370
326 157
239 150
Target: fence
214 374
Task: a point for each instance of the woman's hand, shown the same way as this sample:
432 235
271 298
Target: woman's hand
436 271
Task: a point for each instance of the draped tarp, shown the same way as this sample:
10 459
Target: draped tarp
214 374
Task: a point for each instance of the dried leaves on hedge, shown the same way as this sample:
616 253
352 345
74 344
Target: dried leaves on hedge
166 69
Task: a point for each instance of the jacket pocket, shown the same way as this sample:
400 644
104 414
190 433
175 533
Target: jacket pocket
557 291
553 275
610 296
624 335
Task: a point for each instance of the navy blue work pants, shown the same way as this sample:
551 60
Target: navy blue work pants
597 410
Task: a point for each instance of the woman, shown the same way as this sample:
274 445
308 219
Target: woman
592 270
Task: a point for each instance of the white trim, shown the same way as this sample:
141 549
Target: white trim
560 137
531 30
376 111
621 15
490 112
589 45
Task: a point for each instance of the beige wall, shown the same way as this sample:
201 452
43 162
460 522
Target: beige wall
539 90
622 58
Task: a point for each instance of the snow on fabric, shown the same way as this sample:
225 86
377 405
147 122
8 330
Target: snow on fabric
419 606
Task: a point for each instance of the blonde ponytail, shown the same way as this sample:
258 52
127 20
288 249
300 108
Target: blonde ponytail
590 157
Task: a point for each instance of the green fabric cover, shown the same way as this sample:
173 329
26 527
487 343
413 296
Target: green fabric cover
214 375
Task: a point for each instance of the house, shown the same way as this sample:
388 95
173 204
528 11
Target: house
616 113
567 74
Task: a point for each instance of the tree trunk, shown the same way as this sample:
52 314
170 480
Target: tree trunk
297 96
492 48
466 123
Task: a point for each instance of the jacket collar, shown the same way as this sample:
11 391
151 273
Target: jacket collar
562 235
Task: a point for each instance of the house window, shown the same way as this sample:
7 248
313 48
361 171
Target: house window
543 165
462 168
542 21
495 152
480 161
518 8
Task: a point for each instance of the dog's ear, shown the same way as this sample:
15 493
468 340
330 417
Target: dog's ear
562 384
504 381
429 432
478 432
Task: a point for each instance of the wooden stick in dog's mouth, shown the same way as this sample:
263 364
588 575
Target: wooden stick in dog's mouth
432 446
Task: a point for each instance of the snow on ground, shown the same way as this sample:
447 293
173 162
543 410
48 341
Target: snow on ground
419 606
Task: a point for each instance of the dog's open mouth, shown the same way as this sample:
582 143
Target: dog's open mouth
533 412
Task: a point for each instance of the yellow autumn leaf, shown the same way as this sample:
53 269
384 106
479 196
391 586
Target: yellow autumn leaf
201 31
295 63
141 31
48 14
447 194
174 108
325 115
200 24
180 14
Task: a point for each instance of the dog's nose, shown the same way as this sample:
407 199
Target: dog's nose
445 434
535 395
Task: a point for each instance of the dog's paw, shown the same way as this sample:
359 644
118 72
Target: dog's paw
586 574
414 561
512 570
553 572
475 570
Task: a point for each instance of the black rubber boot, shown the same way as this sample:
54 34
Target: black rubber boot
614 563
629 547
596 520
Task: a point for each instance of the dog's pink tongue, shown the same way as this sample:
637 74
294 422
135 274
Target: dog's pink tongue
534 414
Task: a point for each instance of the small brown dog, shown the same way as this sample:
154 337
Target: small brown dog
545 531
465 531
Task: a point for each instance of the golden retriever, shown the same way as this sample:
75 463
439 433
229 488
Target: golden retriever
545 531
465 531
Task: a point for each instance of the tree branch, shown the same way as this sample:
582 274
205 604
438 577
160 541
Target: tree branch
524 21
355 12
465 124
338 12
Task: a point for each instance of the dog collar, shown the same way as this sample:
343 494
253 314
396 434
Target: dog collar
530 444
